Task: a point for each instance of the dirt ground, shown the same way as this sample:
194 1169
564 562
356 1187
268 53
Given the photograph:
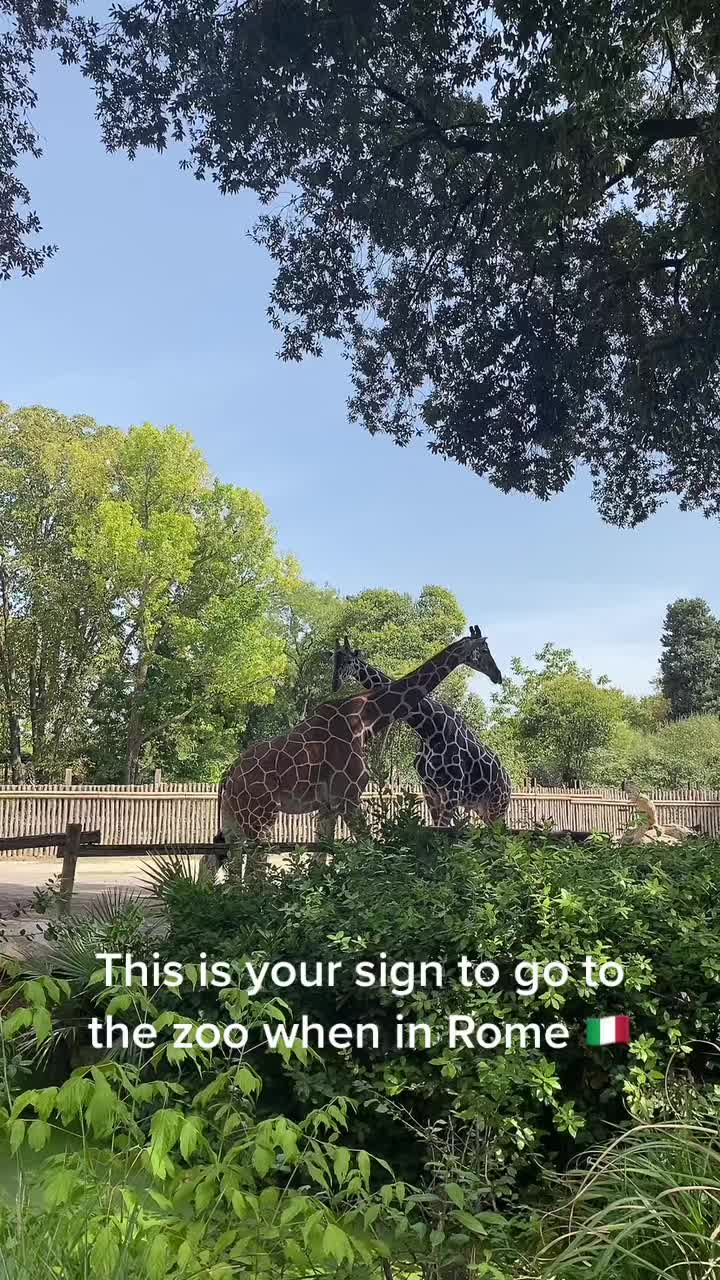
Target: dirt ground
19 876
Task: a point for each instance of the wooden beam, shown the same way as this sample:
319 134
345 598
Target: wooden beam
281 846
181 849
51 839
126 793
147 850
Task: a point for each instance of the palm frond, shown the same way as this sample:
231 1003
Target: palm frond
161 873
118 919
114 906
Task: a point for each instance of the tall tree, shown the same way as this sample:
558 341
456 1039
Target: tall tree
398 632
682 753
55 624
309 624
195 581
507 213
27 28
565 721
690 658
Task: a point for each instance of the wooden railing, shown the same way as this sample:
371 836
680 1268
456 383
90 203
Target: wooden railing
187 812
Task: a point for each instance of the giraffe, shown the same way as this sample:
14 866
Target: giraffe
319 766
456 769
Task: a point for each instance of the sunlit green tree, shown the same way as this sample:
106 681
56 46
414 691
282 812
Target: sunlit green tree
196 584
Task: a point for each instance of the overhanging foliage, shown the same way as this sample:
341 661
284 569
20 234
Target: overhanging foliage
506 215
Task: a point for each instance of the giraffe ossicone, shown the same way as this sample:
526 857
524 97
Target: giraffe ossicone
319 766
457 771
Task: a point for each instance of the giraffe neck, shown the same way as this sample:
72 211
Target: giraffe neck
398 699
372 677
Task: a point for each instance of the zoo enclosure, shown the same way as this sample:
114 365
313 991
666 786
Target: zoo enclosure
186 812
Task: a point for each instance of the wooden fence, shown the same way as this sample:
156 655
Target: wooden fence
187 812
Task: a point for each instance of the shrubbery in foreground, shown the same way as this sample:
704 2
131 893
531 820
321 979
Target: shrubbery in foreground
425 1163
418 896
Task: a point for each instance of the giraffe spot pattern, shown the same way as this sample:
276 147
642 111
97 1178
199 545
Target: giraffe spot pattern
320 764
456 769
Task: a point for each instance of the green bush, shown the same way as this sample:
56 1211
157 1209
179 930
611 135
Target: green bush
170 1182
682 753
138 1174
417 895
475 1138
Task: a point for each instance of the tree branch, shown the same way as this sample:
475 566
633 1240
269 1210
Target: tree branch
472 146
644 268
665 128
657 129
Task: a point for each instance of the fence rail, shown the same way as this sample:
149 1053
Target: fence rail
187 812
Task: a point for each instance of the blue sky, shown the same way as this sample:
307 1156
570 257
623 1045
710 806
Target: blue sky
154 310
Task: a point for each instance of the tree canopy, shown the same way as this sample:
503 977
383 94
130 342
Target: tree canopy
55 627
139 600
194 578
147 617
507 215
552 721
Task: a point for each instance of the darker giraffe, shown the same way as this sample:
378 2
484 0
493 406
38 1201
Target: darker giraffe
319 766
457 771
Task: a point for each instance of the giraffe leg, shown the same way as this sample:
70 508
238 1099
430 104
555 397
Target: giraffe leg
347 803
231 848
256 858
248 829
325 828
257 829
434 804
441 810
351 811
325 825
214 862
487 810
355 818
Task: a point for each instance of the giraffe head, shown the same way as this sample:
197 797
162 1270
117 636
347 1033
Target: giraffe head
348 665
476 654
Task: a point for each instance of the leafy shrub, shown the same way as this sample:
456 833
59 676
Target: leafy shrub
473 1135
682 753
173 1183
158 1178
57 969
417 895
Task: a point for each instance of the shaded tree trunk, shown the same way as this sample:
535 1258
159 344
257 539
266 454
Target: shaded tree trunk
135 733
15 754
7 678
12 718
37 722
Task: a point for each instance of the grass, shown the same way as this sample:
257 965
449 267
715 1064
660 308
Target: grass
36 1244
647 1206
